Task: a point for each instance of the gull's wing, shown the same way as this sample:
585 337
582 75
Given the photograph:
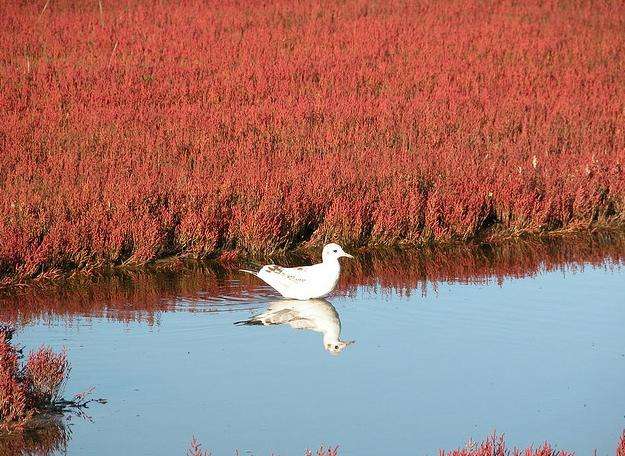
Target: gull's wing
303 323
297 314
285 278
278 317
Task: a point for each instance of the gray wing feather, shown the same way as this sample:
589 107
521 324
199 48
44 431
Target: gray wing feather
282 277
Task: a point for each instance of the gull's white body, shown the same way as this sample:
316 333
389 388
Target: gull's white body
314 315
306 282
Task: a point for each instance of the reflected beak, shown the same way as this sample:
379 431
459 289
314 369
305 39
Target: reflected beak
349 342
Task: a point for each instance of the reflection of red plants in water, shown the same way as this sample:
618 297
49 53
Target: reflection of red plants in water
44 436
144 295
127 296
416 268
32 388
188 128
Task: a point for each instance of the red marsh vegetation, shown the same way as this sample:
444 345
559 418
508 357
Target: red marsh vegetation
493 446
496 446
29 388
31 405
137 130
195 449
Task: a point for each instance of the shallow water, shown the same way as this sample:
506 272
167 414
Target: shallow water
448 347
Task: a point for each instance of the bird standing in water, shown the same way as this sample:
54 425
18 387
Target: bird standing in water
305 282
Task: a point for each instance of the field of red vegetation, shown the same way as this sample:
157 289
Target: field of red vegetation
136 130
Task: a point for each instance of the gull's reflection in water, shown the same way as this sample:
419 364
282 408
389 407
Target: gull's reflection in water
315 315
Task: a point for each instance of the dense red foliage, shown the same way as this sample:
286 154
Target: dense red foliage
28 389
135 130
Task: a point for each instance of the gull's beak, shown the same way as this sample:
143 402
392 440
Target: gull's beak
347 255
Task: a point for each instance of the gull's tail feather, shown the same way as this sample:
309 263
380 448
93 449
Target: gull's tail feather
249 272
249 322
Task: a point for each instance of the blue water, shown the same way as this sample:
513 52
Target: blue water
537 358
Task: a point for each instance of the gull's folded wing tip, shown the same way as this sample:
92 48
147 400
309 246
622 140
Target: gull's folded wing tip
248 271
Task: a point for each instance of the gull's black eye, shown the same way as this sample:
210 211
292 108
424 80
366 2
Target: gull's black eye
335 250
336 347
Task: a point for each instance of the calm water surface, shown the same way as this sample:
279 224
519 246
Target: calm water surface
437 360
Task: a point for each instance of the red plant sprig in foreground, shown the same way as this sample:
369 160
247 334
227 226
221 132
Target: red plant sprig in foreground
323 452
620 450
26 390
145 129
496 446
14 403
45 372
493 446
195 449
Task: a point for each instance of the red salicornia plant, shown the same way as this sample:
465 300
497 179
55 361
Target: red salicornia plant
45 372
323 452
34 387
195 449
15 407
139 130
496 446
620 450
493 446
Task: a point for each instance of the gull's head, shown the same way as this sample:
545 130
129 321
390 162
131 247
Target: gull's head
337 346
334 252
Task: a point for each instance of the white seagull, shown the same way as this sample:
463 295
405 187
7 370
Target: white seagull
315 315
305 282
